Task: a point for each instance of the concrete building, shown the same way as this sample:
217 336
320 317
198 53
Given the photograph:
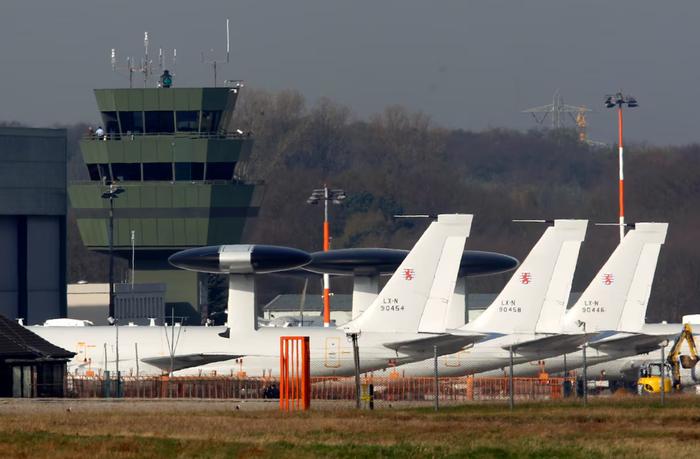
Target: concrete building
135 304
33 223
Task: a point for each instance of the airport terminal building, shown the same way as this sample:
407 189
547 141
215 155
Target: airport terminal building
33 206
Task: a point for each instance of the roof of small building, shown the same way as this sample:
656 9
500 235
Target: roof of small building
17 342
313 303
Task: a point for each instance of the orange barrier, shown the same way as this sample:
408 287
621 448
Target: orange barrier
295 373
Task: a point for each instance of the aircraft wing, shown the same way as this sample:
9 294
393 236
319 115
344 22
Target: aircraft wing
183 361
563 343
446 343
632 344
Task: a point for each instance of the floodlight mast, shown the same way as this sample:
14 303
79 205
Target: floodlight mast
336 196
611 101
111 194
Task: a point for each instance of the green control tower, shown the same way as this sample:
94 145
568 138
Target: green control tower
174 152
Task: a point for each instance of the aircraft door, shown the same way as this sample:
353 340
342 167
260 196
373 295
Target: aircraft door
332 353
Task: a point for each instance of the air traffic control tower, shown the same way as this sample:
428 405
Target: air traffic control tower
174 152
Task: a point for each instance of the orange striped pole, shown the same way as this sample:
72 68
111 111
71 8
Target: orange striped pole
622 175
326 277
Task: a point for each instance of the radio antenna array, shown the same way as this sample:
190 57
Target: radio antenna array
144 66
213 61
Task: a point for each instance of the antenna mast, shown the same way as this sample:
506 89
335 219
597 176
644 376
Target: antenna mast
213 62
145 66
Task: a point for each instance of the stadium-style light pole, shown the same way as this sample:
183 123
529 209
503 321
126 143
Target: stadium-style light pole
618 100
336 196
111 194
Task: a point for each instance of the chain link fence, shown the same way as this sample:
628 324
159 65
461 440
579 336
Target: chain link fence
384 390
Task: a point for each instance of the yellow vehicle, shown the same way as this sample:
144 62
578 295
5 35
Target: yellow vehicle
649 381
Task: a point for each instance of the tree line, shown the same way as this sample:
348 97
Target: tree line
400 161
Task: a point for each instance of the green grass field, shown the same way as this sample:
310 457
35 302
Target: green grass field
611 427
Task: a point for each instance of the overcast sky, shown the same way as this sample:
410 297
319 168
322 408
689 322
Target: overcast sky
468 64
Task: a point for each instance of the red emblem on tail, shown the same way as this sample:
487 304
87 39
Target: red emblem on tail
608 279
525 278
409 273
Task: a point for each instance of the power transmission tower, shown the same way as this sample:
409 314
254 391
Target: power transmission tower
559 113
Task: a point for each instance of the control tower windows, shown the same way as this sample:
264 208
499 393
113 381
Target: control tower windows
98 171
162 172
189 171
187 121
160 122
109 120
220 171
132 122
126 171
210 121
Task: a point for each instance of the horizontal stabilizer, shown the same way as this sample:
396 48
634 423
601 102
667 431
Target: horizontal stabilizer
446 343
563 344
639 343
180 362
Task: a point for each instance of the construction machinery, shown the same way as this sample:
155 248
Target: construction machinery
650 374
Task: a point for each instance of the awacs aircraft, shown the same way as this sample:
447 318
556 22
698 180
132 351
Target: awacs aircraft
615 300
391 330
612 307
529 308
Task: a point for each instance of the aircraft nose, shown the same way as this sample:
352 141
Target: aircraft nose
204 259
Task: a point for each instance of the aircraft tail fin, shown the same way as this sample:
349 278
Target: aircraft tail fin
617 298
536 296
419 290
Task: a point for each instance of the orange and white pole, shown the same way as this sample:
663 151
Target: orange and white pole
622 175
326 277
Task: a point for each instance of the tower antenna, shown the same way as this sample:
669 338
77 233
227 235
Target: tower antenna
145 66
213 62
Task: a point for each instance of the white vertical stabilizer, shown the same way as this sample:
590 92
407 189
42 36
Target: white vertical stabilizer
414 286
557 298
519 307
434 316
617 297
457 310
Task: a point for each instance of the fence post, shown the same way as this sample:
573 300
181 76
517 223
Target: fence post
437 382
511 400
356 358
662 387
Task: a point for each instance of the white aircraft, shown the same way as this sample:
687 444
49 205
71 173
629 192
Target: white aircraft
398 327
528 310
613 307
615 300
529 307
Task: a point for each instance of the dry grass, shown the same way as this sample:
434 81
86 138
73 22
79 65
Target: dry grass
608 427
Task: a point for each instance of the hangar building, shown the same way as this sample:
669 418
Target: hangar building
33 223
